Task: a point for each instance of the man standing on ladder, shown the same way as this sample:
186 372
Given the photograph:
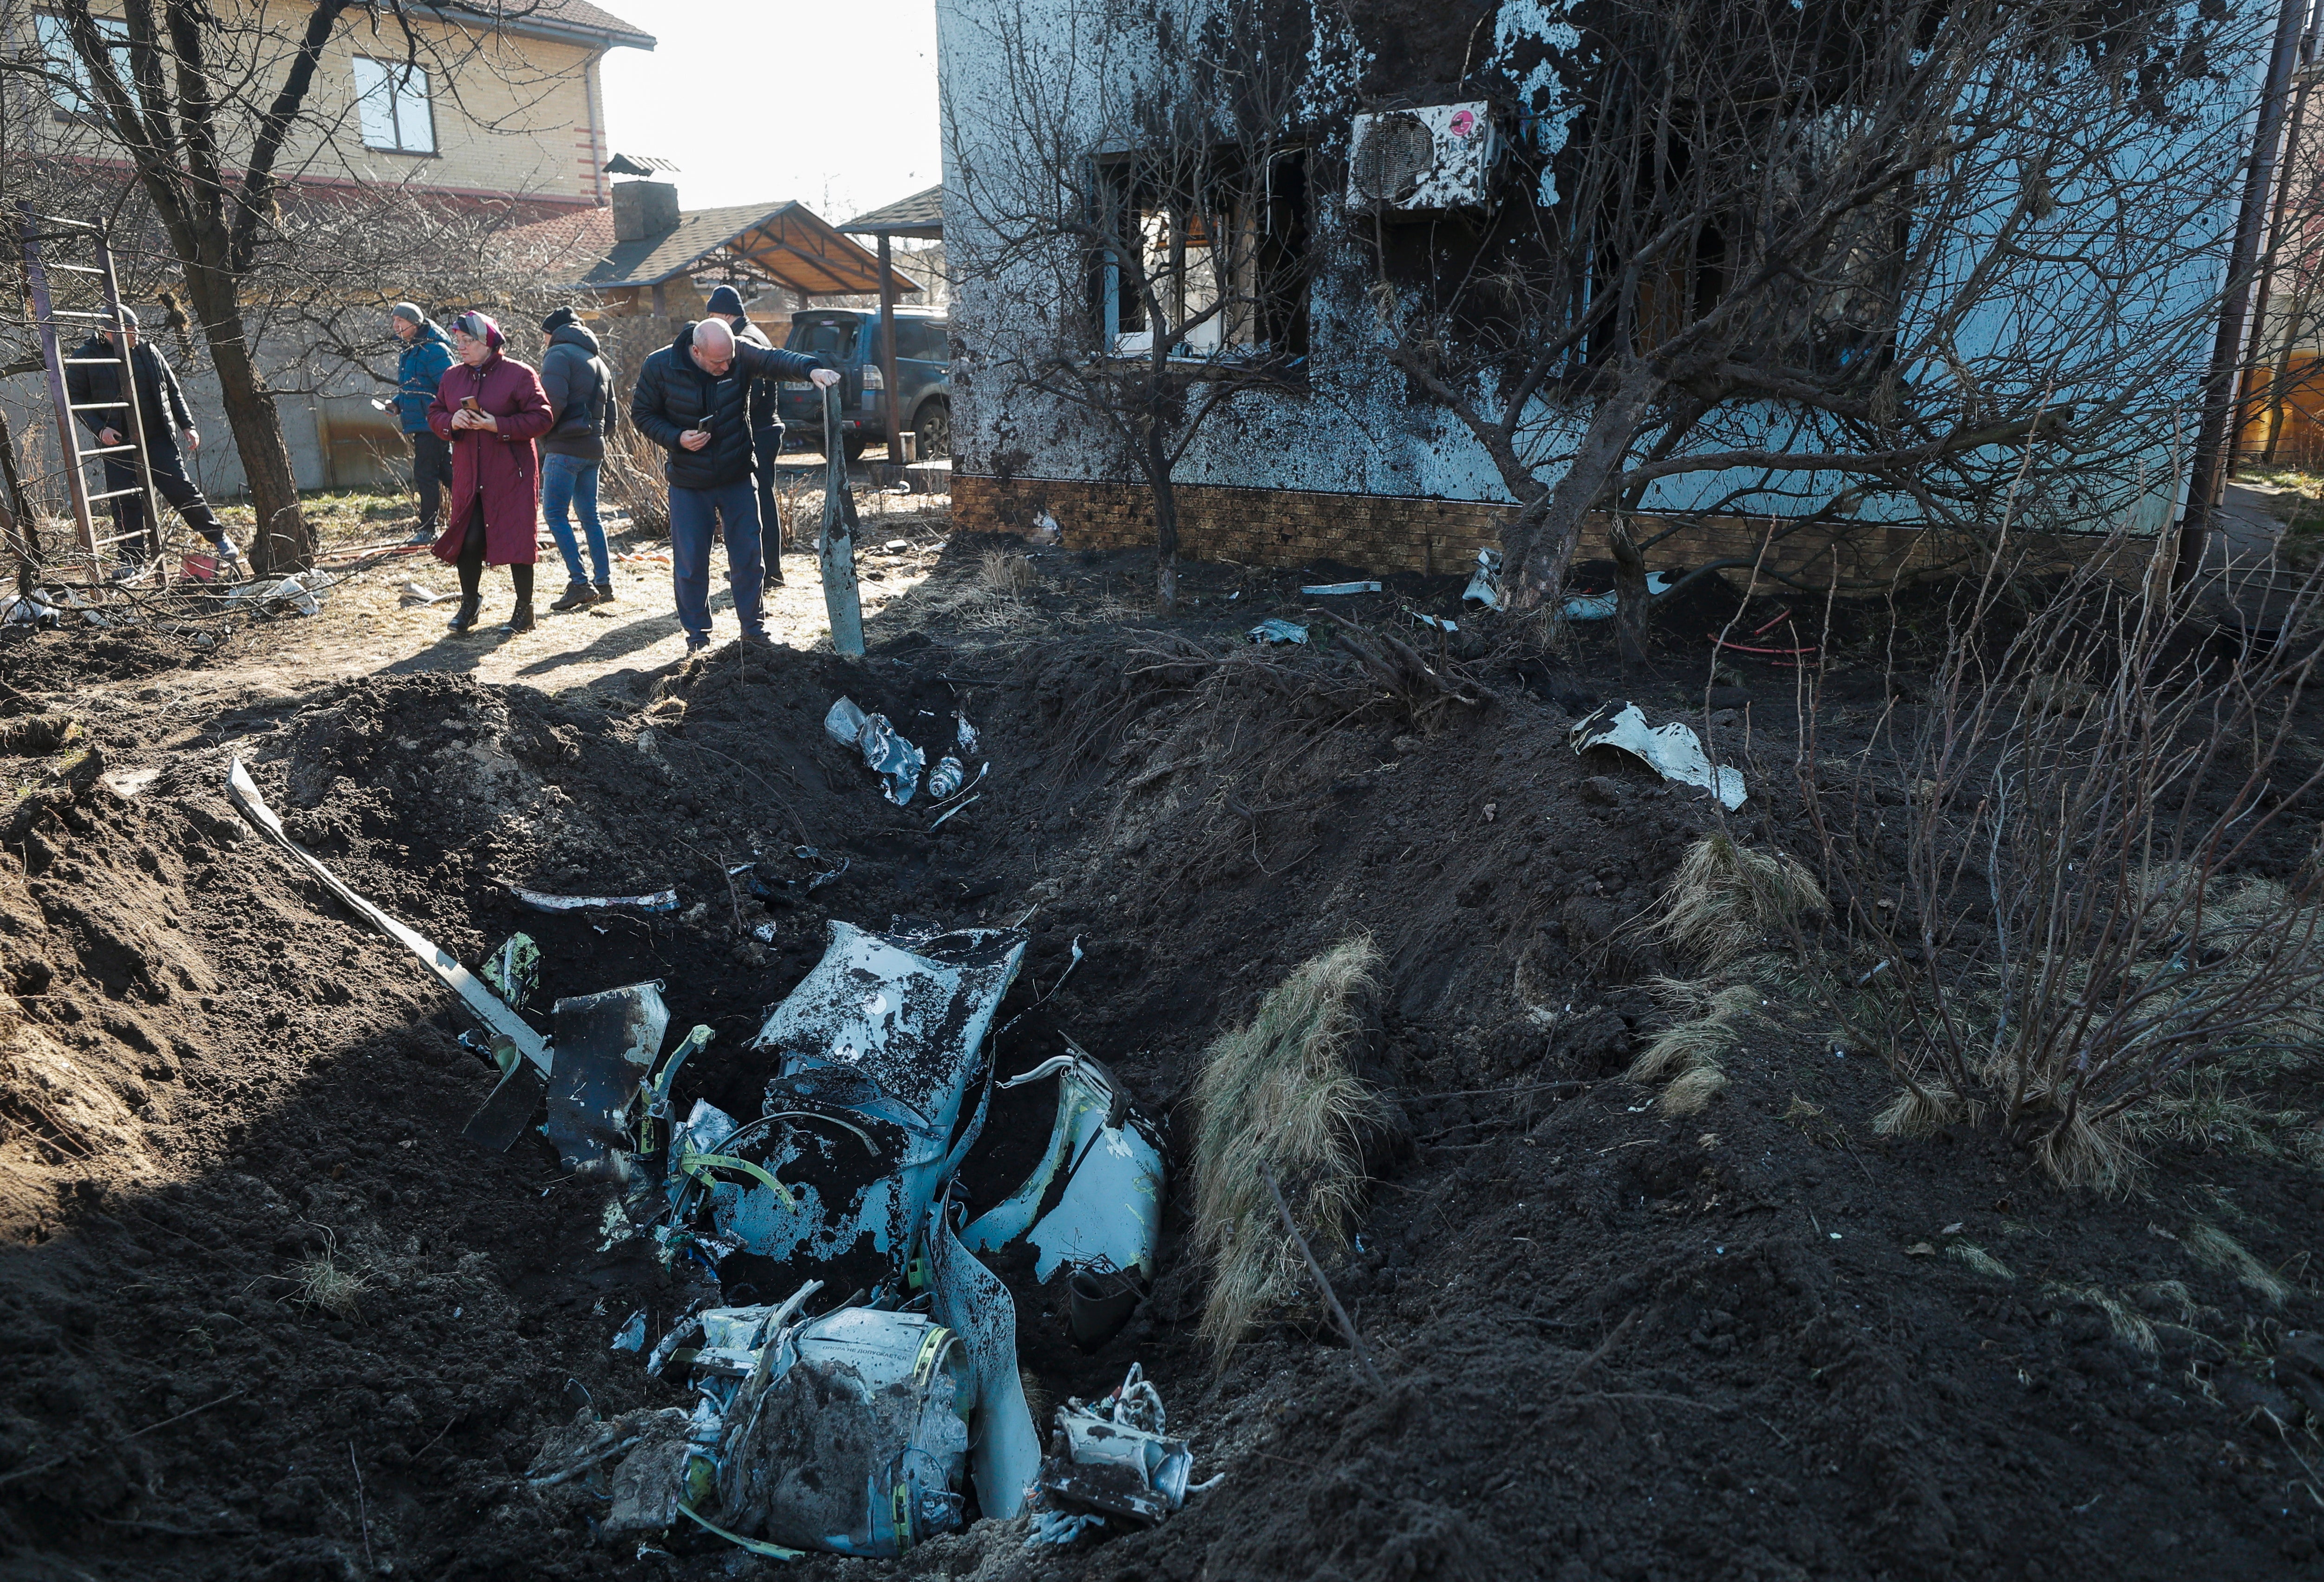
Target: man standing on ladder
103 407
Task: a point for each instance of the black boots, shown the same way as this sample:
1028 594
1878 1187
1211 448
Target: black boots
605 593
463 620
520 618
578 595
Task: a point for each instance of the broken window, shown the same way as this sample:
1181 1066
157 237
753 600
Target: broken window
392 103
1220 253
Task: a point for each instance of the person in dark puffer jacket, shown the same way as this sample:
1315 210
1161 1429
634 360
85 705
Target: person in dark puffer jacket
766 432
579 387
693 399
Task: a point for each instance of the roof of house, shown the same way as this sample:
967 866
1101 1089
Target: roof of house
920 216
555 18
785 243
639 165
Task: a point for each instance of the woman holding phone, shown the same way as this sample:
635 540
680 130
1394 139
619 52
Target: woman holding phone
492 409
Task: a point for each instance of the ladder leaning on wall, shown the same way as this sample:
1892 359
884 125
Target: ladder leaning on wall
66 236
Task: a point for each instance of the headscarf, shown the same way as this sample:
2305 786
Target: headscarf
480 327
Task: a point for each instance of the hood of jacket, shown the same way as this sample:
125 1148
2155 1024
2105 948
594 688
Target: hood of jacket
574 335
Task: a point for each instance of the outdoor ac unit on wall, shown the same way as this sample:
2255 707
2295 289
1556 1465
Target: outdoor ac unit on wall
1423 161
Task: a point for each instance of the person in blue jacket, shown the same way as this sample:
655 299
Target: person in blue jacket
426 354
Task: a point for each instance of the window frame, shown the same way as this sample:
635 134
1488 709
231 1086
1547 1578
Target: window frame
394 79
1274 237
51 33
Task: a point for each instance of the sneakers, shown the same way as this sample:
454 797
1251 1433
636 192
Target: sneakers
578 595
605 593
425 533
520 618
464 619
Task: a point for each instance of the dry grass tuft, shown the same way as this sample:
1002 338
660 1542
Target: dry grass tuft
1687 1052
320 1282
1725 900
1977 1261
2079 1153
1691 1091
1005 572
1279 1091
1921 1111
2216 1249
2169 1294
2128 1325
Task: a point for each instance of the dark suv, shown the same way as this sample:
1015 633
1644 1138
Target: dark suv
849 340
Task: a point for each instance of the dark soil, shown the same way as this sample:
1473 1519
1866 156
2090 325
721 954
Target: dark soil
1617 1344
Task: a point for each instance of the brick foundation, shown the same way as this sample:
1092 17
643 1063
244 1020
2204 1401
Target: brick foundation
1385 532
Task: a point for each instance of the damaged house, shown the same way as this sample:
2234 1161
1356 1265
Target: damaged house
1837 284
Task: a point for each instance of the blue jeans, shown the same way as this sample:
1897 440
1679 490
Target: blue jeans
692 514
570 481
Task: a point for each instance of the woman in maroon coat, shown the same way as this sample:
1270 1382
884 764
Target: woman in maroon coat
492 408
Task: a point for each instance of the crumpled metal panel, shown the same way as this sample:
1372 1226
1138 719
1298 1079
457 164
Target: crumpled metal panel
605 1044
969 1299
1095 1200
877 1048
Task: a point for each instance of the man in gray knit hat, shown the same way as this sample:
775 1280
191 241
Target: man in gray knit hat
426 354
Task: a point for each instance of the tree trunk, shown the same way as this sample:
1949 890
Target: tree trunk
1165 519
1540 575
281 541
1629 594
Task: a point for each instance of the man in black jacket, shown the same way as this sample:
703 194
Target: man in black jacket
766 431
692 399
94 386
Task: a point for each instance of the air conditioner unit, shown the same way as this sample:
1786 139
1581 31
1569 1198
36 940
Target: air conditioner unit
1423 161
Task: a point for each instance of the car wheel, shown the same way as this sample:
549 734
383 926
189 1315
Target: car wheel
934 427
854 445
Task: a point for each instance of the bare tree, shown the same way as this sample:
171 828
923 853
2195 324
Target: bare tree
1142 244
1871 259
215 111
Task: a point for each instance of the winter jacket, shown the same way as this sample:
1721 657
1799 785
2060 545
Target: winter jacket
764 413
674 395
160 399
499 465
426 357
580 391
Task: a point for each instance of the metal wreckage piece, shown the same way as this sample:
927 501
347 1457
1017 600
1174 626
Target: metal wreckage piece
863 1428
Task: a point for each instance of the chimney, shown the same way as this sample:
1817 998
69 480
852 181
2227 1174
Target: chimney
642 209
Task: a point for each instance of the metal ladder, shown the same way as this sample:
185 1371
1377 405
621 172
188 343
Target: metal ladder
47 318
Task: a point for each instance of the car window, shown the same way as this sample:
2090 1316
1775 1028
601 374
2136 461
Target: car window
831 337
922 340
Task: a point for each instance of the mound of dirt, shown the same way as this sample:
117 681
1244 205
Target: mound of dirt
268 1316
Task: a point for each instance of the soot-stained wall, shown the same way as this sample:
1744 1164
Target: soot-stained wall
1356 428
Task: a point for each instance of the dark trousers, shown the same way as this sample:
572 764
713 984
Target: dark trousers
766 450
470 563
169 482
431 469
693 516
